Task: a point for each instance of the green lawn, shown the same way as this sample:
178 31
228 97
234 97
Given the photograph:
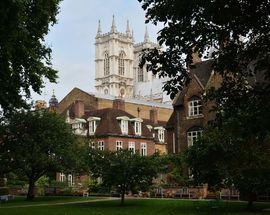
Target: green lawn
44 200
140 207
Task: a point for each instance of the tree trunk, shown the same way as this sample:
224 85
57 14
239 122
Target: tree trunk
251 198
31 190
123 191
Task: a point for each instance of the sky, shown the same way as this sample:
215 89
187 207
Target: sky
72 40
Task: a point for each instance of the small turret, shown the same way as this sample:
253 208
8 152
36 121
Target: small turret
146 36
113 28
128 32
99 31
53 103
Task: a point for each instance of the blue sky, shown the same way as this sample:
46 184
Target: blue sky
72 40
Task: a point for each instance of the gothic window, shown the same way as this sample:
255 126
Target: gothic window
121 64
193 134
106 91
140 75
106 64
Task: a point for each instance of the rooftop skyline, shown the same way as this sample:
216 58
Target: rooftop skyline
72 40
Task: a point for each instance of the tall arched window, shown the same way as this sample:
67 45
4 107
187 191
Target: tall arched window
140 75
106 64
121 64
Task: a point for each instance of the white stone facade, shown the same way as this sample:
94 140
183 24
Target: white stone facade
117 66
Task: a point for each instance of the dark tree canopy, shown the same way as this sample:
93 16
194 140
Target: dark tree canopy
236 34
25 60
35 143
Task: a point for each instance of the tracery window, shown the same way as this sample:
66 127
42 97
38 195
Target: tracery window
140 75
106 64
121 64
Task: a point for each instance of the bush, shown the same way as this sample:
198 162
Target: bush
4 191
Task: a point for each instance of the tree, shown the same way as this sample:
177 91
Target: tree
25 60
36 143
123 170
224 160
234 34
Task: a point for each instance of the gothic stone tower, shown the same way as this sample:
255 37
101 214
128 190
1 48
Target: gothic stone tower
114 62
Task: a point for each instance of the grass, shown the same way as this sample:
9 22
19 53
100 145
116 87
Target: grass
18 201
141 207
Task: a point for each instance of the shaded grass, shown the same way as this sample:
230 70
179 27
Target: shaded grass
141 207
44 200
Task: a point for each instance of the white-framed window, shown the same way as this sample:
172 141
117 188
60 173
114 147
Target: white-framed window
77 125
106 64
195 107
143 149
92 145
62 177
119 145
138 128
101 145
121 64
140 75
131 146
192 136
161 135
70 180
92 127
124 126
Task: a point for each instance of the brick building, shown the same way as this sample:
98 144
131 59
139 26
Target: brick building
191 113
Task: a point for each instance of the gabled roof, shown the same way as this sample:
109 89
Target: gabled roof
201 72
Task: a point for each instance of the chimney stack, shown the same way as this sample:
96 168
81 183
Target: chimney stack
119 104
78 108
154 115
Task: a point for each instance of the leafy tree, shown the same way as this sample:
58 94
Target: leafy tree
37 143
234 34
223 160
123 170
25 60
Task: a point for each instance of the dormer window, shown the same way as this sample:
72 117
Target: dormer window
123 124
160 134
92 127
138 128
93 124
195 107
78 126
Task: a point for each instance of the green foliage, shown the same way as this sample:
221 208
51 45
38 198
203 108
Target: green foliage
123 170
231 33
43 181
223 160
25 60
37 143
